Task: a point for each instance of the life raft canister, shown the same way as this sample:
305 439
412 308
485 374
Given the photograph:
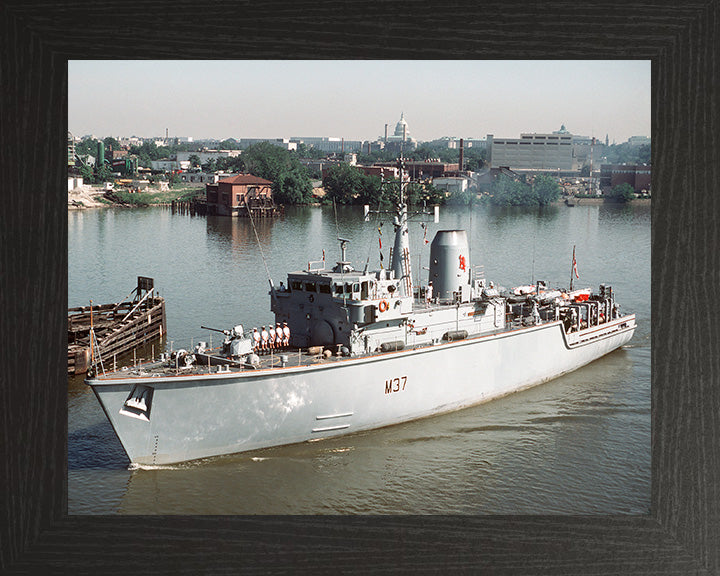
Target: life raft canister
383 306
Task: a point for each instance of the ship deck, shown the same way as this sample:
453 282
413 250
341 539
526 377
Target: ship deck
224 365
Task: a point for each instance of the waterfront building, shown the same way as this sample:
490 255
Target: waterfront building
228 197
637 175
451 184
420 169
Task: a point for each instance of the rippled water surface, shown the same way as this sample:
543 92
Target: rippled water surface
579 444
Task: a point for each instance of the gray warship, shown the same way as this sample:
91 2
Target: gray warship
355 349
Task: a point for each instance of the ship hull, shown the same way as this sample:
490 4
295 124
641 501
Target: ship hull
223 413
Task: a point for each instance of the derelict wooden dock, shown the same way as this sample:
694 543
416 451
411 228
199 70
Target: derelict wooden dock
118 328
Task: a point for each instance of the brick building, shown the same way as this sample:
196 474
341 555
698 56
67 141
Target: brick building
229 196
638 176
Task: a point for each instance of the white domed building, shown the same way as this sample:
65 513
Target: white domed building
401 137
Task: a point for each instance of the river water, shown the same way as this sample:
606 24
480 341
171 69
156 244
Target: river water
579 444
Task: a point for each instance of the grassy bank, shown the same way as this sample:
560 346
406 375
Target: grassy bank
151 197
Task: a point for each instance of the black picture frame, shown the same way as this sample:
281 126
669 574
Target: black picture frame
681 535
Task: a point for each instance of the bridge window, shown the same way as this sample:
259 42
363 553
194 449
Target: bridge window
295 285
364 292
324 288
310 286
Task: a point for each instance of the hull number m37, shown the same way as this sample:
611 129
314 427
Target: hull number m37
395 384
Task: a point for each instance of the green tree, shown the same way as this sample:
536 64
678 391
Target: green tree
371 191
475 159
508 192
622 192
419 193
87 146
292 187
343 183
194 160
111 143
291 181
229 144
423 152
644 154
376 156
87 174
210 166
305 151
103 174
174 178
461 198
546 189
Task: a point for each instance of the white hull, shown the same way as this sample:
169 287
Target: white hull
199 416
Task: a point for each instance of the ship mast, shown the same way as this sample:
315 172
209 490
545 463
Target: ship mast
401 248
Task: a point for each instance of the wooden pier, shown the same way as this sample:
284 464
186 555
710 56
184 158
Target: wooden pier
118 328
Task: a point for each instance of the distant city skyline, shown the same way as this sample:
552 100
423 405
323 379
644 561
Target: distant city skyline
354 99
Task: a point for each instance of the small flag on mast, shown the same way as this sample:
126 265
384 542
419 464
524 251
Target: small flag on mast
575 266
573 270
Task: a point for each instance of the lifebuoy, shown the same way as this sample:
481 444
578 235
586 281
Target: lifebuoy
383 306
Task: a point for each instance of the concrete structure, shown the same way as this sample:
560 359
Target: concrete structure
636 141
453 143
425 169
329 144
71 149
484 180
387 173
451 185
199 178
318 166
384 172
206 155
131 141
559 151
74 182
168 165
638 176
229 196
279 142
542 152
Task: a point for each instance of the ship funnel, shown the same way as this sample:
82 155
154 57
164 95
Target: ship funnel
450 266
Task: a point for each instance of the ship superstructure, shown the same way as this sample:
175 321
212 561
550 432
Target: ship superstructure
357 349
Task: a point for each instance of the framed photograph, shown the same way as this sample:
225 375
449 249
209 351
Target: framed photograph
620 509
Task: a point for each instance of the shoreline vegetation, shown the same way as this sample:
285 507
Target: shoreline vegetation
341 183
98 197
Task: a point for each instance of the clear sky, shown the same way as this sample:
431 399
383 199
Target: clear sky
354 99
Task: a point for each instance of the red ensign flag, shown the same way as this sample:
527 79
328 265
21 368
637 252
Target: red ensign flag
575 268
